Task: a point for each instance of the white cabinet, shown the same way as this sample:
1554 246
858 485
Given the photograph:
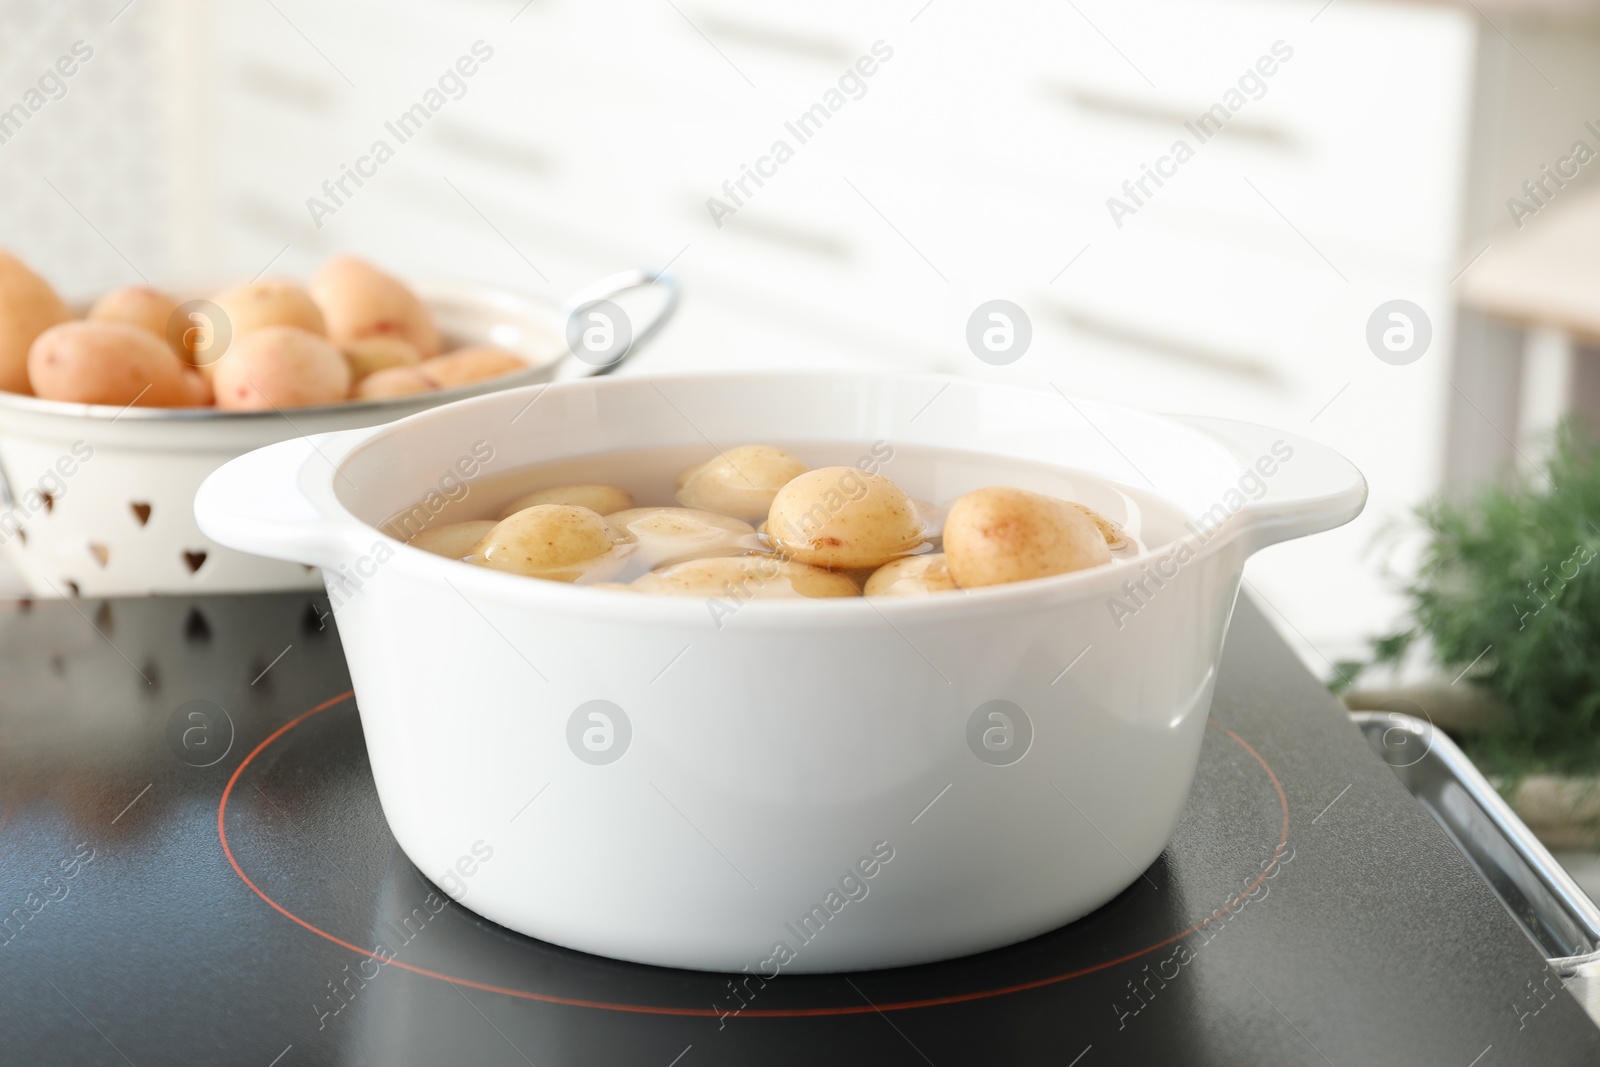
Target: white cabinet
975 162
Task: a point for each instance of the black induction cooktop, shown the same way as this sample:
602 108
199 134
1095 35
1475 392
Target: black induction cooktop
194 868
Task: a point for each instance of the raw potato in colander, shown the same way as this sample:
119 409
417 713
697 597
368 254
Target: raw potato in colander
28 307
386 337
111 363
280 367
359 301
139 305
260 305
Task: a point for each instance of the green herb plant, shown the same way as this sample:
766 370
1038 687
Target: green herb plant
1510 585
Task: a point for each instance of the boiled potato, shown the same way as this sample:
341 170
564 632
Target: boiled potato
396 381
558 542
742 577
139 305
280 367
911 576
1114 534
28 307
843 517
454 539
110 363
666 534
932 516
740 482
998 535
467 365
370 355
360 301
603 499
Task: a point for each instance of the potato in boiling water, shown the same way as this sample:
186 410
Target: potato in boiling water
740 482
1115 536
665 534
998 535
603 499
456 540
911 576
932 516
842 517
558 542
743 577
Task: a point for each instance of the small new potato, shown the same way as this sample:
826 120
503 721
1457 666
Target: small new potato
1113 533
139 305
370 355
558 542
279 367
110 363
841 517
662 535
28 307
361 301
396 381
932 516
912 576
467 365
742 577
603 499
196 390
740 482
457 540
998 535
257 306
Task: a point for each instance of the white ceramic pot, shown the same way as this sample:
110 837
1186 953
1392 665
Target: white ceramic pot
801 785
97 500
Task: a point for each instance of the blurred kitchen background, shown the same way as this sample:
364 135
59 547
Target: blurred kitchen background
1369 151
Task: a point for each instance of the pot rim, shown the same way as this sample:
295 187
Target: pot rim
357 539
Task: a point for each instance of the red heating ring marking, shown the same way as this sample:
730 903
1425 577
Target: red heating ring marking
759 1013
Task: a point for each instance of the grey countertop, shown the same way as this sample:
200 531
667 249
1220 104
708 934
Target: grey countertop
1372 942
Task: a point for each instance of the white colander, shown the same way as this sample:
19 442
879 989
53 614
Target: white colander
99 501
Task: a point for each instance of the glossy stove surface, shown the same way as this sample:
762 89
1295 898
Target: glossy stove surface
194 868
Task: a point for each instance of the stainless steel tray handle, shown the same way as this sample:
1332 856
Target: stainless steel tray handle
1555 913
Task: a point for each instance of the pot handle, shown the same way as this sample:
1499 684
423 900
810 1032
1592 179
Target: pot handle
615 285
259 502
1309 486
